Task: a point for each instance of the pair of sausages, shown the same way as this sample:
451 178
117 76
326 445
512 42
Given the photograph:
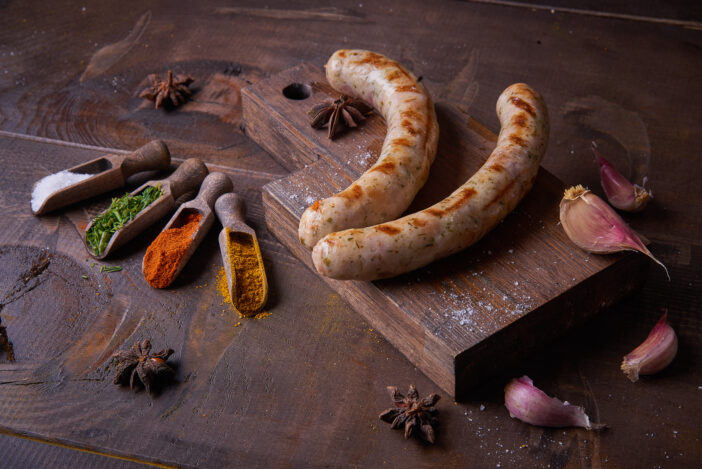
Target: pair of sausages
334 227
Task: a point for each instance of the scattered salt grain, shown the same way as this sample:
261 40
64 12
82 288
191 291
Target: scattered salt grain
52 184
482 407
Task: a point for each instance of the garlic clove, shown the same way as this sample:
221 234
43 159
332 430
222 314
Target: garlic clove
595 227
621 193
526 402
654 354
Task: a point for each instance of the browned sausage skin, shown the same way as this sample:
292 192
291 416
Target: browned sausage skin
462 218
386 190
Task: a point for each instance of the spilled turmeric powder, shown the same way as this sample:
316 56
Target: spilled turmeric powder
222 286
249 278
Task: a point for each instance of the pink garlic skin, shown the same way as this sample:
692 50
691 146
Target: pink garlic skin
526 402
596 227
621 193
654 354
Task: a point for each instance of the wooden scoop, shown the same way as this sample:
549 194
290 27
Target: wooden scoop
242 239
185 179
111 172
214 185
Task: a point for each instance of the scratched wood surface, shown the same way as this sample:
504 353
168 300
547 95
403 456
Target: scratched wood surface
303 386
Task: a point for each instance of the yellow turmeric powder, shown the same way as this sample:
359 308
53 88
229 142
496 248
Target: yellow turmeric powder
248 274
222 286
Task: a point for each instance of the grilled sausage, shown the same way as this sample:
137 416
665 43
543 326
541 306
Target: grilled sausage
386 190
462 218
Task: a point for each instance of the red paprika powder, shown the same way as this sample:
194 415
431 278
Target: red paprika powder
165 253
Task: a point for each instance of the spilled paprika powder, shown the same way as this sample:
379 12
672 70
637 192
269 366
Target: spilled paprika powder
164 255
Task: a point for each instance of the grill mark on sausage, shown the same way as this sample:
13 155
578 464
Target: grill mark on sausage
520 103
497 167
501 194
418 222
411 114
397 74
388 229
315 206
402 141
387 167
353 192
394 75
517 140
462 198
407 89
407 125
519 120
372 58
437 212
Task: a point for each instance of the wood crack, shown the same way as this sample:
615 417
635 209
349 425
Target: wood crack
601 14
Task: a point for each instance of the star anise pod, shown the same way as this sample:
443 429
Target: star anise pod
138 362
173 91
341 114
417 415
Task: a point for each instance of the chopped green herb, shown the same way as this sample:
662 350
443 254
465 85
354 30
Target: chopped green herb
121 211
110 268
85 277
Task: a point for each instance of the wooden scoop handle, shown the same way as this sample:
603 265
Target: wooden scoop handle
153 155
187 177
230 209
214 185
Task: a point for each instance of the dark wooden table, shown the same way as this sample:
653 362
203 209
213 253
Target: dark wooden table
303 386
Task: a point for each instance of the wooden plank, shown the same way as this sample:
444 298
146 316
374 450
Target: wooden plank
23 451
463 318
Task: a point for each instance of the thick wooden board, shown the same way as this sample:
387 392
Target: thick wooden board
464 318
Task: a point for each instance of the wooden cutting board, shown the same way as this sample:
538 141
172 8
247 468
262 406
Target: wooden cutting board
465 318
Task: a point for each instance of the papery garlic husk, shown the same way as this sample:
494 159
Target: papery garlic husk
595 227
621 193
654 354
526 402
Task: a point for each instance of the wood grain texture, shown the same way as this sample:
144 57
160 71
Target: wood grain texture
268 401
23 451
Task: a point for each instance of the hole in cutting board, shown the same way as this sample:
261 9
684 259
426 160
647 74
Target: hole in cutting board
297 91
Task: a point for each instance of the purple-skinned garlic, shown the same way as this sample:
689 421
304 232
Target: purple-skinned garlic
526 402
595 227
654 354
621 193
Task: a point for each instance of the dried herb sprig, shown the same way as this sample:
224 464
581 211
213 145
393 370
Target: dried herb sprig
139 364
415 414
121 211
110 268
